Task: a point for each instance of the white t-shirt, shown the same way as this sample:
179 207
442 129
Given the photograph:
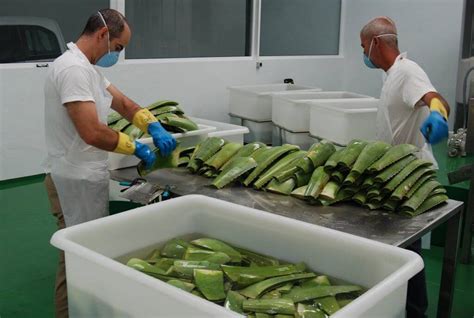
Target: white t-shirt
398 120
72 78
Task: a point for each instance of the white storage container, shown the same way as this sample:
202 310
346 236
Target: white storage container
255 101
100 286
291 110
188 139
282 136
258 130
234 133
341 121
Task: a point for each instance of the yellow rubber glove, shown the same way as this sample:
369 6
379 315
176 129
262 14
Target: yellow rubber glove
437 106
125 145
143 118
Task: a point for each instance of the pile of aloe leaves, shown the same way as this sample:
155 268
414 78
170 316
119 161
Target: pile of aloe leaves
243 281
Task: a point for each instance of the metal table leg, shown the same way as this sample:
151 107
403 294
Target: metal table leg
448 275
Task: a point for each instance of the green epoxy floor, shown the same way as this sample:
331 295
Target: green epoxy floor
28 261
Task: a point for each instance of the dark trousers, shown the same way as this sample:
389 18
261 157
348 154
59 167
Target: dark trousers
417 297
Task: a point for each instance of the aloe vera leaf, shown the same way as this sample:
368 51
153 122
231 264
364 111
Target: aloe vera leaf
269 306
266 176
392 155
167 109
284 187
223 155
273 294
186 268
344 302
392 170
283 316
266 158
309 311
113 117
302 178
391 205
233 171
402 189
197 293
330 191
175 248
255 290
342 195
320 152
428 204
419 196
318 181
285 288
262 315
204 151
163 263
374 191
181 285
332 161
161 103
418 184
321 280
338 176
402 175
210 283
183 161
303 294
161 162
360 197
245 276
153 255
234 301
368 182
329 303
218 246
369 154
299 192
143 266
121 125
246 151
256 258
202 254
351 154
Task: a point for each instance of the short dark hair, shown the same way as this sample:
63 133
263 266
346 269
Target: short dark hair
115 22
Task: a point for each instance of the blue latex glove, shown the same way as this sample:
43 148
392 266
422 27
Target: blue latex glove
162 139
144 153
434 128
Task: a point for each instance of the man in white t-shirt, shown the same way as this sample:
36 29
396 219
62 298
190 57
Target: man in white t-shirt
411 111
77 100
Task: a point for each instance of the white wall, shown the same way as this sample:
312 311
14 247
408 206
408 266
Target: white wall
429 30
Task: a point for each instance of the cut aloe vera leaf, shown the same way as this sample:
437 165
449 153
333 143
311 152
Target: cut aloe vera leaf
210 283
153 256
317 281
273 294
309 311
186 268
255 290
283 316
329 303
199 254
197 293
234 301
304 294
244 276
269 306
262 315
285 288
219 246
181 285
256 258
143 266
175 248
164 263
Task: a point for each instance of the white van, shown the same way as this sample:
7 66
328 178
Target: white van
30 39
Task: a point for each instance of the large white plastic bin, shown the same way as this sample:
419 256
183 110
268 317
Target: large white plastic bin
230 132
341 121
255 101
188 139
282 136
99 286
258 130
291 109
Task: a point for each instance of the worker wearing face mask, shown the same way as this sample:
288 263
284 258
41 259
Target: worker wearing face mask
411 111
77 102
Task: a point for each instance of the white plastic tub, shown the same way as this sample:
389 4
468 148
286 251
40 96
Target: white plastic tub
230 132
282 136
99 286
188 139
290 110
255 101
258 130
341 121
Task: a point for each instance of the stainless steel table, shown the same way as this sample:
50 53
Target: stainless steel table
377 225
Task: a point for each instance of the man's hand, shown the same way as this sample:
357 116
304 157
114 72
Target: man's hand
435 128
161 138
144 152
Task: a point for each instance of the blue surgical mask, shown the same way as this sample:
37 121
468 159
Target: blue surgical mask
109 58
367 61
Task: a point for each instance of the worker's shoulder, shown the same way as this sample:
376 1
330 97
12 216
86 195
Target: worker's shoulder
408 66
68 61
